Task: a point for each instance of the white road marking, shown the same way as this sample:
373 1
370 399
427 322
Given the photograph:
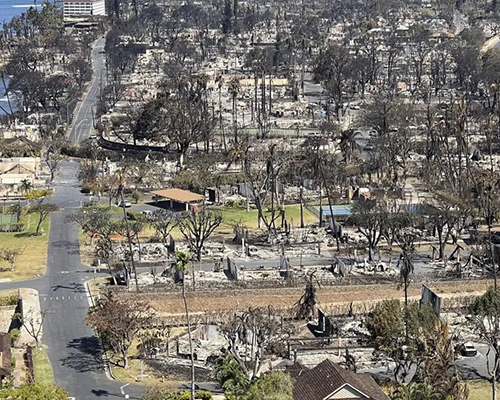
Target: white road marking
123 387
62 298
57 298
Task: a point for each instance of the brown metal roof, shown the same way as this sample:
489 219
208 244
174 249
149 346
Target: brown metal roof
327 377
182 196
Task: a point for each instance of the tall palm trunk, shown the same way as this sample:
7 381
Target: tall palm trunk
186 310
129 240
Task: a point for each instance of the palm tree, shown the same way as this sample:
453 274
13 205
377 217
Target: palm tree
26 186
182 260
347 144
307 303
405 263
234 89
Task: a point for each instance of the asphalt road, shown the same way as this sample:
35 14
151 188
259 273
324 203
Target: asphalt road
83 122
73 348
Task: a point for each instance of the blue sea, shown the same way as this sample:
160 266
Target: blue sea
11 8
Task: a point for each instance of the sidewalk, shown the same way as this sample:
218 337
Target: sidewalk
31 305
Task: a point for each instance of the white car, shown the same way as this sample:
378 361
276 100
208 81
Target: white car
126 203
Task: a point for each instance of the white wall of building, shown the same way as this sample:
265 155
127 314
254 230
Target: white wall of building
84 8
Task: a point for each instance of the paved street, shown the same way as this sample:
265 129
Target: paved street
82 125
73 348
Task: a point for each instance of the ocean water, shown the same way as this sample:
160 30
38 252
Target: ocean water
11 8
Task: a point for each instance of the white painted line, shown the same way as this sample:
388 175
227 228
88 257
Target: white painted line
123 387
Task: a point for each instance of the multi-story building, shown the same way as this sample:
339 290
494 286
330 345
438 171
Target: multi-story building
83 8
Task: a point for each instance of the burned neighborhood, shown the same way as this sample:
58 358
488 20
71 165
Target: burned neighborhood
250 200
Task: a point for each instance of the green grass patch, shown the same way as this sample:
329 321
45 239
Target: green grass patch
233 215
43 369
33 260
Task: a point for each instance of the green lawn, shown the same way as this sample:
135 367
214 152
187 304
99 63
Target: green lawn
33 260
479 390
232 215
43 369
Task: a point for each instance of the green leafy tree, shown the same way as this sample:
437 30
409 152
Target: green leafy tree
400 333
485 313
232 377
43 211
38 206
275 385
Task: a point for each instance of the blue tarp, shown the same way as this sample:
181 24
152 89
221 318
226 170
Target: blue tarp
342 210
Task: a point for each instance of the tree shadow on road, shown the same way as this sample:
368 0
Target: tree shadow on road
85 355
100 393
75 287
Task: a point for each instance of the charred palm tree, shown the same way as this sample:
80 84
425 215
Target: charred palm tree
234 89
181 265
307 303
405 263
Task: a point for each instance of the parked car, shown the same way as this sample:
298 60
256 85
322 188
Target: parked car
147 213
126 203
468 350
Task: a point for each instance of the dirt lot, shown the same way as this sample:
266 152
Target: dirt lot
329 297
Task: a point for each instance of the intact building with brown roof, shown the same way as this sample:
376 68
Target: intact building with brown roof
179 196
328 381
